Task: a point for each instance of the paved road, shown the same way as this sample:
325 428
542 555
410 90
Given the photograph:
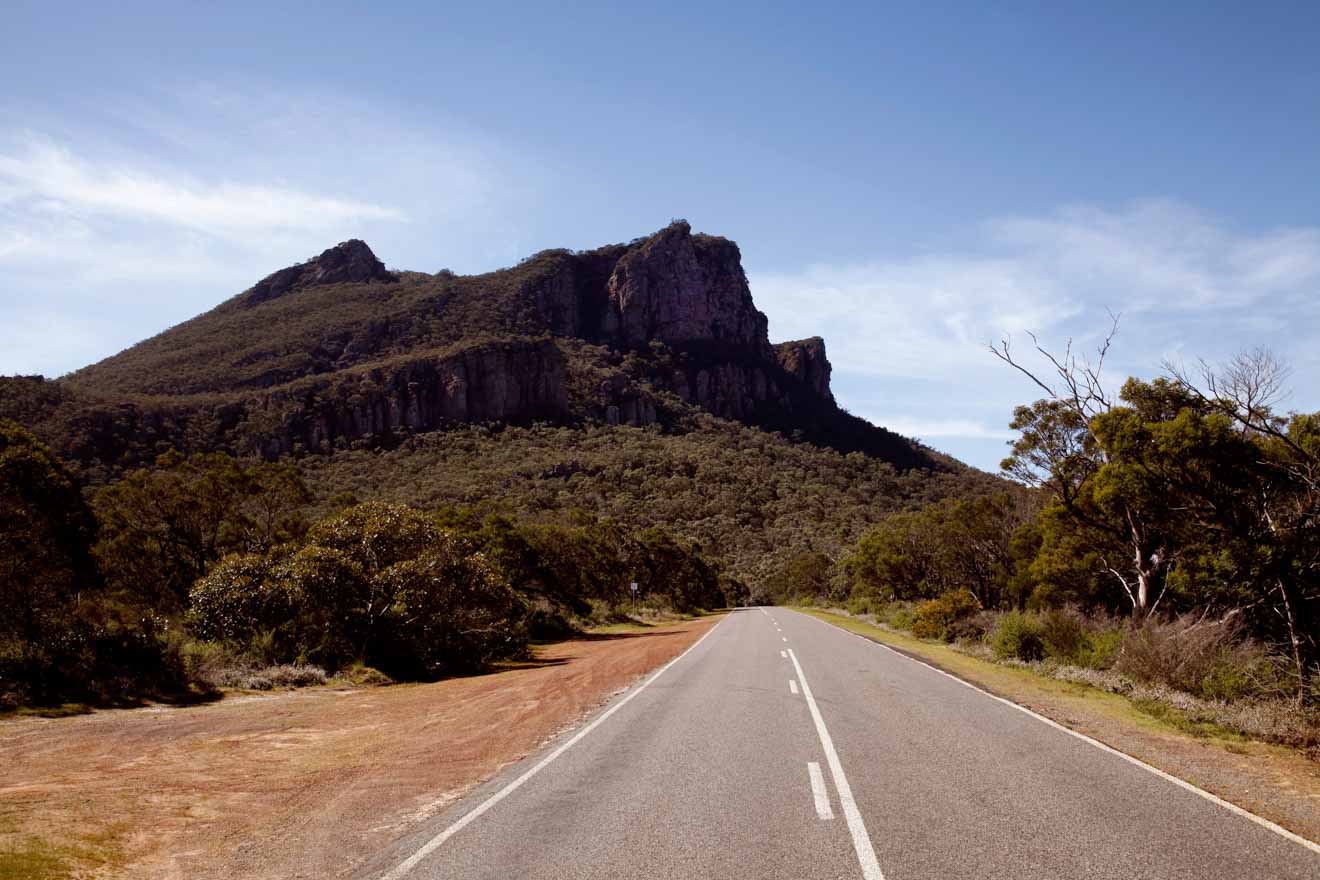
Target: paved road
780 746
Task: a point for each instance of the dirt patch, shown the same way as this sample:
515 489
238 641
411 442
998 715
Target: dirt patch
302 784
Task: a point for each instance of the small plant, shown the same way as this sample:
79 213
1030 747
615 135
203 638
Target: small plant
861 605
1019 636
899 615
938 618
1102 647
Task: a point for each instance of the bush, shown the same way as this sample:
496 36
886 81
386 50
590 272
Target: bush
380 584
1064 634
1019 636
1102 647
975 627
899 615
860 605
1199 656
938 618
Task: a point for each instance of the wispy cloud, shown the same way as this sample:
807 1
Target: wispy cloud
46 178
908 337
166 204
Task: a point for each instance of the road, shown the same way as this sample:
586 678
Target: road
780 746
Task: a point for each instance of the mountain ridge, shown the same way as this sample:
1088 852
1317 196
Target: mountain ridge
339 351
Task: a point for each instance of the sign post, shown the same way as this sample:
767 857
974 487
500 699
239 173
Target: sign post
633 587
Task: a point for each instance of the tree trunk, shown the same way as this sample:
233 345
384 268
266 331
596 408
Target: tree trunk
1299 653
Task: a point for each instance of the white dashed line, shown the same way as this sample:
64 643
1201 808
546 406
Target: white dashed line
818 793
792 686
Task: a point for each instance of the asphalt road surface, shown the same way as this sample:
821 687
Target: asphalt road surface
780 746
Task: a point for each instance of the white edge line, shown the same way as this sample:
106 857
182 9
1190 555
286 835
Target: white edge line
1181 783
431 845
818 792
861 840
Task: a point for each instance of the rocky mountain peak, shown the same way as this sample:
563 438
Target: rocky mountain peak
349 261
677 287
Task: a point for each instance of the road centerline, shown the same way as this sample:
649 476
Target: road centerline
856 826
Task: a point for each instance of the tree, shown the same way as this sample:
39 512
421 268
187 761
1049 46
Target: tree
46 532
162 528
1272 524
1087 451
379 583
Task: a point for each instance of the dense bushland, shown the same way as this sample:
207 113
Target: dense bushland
208 571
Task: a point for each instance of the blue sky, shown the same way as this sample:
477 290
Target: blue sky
910 181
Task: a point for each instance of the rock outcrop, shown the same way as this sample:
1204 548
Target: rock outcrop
805 359
347 262
679 288
493 382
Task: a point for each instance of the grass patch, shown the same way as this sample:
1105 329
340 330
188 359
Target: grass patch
64 710
28 857
31 858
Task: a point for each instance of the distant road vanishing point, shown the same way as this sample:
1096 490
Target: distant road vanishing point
780 746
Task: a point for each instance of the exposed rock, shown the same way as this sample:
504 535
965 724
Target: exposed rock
495 382
677 288
806 360
347 262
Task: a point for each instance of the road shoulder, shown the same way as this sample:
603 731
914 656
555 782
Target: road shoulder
1275 782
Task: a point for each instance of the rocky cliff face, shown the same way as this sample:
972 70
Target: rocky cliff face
679 288
494 382
688 292
805 360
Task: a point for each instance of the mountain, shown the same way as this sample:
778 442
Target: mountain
339 352
634 381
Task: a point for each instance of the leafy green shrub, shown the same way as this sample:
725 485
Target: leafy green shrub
1064 633
898 615
937 618
861 605
1102 647
1019 636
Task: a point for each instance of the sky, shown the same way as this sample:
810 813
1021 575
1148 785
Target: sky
910 181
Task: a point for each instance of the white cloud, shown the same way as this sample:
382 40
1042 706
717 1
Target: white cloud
908 337
53 180
933 429
163 205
